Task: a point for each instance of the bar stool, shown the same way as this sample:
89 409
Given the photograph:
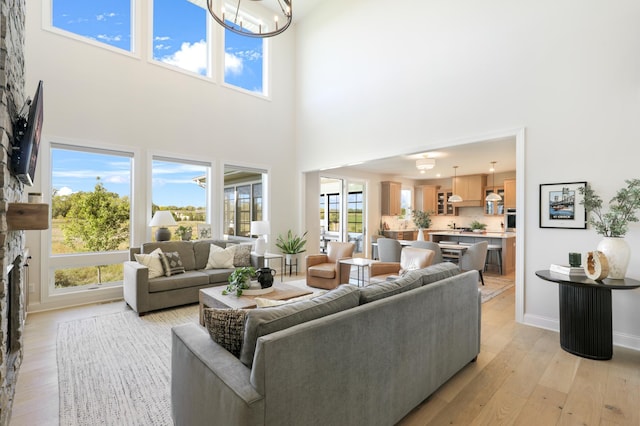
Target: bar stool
494 250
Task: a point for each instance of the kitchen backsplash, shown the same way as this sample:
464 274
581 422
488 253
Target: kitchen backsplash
443 223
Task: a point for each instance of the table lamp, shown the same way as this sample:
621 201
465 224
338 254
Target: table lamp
163 218
260 228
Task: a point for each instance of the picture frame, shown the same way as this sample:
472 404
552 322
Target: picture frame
204 231
560 205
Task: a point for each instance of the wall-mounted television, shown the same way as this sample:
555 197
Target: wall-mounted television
27 129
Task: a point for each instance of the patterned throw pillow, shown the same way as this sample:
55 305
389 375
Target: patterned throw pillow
226 327
152 262
220 258
171 263
242 255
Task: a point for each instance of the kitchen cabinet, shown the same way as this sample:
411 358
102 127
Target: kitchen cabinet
494 207
471 189
509 193
444 207
390 198
401 235
426 196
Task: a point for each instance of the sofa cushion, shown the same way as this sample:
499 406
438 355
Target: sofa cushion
438 272
268 320
242 255
184 248
152 262
217 276
201 251
220 258
409 281
226 327
323 270
174 282
171 263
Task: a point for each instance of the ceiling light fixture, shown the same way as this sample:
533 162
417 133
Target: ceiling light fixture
245 21
493 196
424 164
454 198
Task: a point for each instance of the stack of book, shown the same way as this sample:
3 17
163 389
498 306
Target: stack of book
567 270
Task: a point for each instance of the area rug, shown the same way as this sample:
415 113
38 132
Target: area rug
116 369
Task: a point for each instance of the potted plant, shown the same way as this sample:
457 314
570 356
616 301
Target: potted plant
477 226
613 225
422 220
291 245
239 280
184 232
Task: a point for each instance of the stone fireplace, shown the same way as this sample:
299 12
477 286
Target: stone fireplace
13 257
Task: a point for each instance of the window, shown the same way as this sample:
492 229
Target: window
333 200
180 35
179 186
106 22
242 204
90 215
354 212
244 62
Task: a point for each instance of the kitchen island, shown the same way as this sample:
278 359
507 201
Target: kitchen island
507 240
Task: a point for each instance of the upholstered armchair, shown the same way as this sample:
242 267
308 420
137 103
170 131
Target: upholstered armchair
325 270
410 258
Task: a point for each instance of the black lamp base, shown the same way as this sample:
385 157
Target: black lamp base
163 234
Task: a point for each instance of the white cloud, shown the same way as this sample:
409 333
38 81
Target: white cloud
104 16
65 190
232 64
161 38
107 38
162 46
191 57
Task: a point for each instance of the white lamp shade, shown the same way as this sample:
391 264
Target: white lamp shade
425 163
455 198
260 227
493 197
162 218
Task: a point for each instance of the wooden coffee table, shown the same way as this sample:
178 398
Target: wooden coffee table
213 298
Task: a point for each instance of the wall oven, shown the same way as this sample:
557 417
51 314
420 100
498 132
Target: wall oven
510 220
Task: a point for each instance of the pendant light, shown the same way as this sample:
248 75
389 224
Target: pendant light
455 198
493 196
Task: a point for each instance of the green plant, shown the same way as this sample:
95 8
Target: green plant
182 230
239 280
477 225
421 218
292 244
622 209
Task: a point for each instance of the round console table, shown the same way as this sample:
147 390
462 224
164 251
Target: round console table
585 313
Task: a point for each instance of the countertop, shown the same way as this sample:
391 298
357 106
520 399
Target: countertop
476 234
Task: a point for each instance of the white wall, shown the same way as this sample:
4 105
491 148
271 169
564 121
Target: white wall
376 81
102 97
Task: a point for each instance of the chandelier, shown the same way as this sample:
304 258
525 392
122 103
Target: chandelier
424 164
253 18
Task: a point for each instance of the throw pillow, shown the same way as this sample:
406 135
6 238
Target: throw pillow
171 263
152 262
220 258
226 327
242 255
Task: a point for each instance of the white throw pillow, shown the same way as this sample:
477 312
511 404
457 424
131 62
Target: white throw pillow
152 262
220 258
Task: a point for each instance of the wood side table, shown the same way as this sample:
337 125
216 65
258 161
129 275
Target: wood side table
213 298
586 313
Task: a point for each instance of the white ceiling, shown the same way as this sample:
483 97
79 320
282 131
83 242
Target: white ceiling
471 159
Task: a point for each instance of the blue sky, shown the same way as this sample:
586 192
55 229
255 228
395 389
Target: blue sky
179 36
173 184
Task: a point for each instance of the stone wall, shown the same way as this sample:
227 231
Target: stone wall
12 243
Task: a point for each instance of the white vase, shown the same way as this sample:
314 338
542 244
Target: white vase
420 236
618 254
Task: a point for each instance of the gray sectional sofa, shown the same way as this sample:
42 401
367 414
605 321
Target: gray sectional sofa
353 356
143 294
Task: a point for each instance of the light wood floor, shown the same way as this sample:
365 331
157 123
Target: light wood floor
521 377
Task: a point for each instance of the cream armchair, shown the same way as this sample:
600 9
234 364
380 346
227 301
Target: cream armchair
325 270
410 258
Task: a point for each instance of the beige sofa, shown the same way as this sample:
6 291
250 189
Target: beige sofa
143 294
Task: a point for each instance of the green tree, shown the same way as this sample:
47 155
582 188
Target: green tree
97 221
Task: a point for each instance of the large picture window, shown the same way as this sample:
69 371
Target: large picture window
106 22
180 35
90 215
244 62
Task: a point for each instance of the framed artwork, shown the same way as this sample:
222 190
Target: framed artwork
204 231
560 206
